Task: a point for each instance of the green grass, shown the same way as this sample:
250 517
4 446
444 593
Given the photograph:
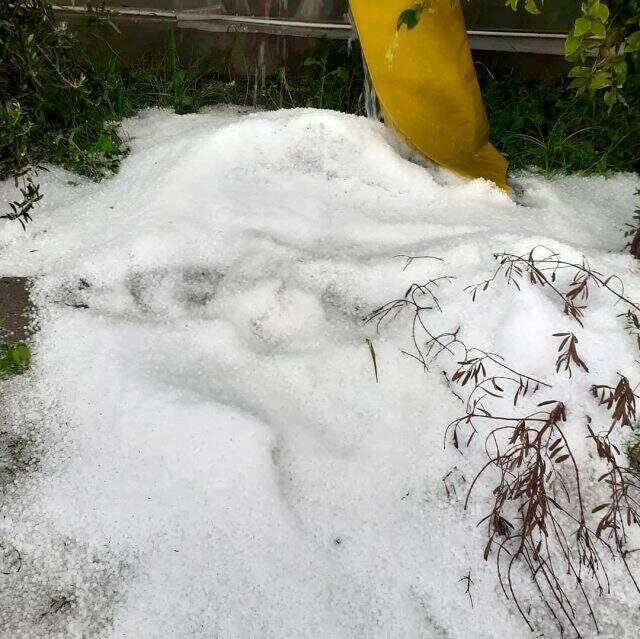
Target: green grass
332 79
545 126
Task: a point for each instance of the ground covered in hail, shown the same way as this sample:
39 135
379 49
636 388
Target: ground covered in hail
203 446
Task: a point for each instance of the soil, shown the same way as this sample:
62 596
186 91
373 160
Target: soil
15 309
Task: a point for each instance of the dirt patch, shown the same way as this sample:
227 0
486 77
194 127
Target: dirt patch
15 308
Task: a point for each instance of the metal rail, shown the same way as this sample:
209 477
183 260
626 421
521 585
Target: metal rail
510 41
126 12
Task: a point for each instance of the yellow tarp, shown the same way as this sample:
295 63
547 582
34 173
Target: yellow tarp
427 86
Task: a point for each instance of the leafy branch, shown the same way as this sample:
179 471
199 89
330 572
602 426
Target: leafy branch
541 519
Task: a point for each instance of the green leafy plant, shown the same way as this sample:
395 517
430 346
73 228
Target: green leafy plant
532 6
332 79
14 359
60 103
30 191
51 109
600 43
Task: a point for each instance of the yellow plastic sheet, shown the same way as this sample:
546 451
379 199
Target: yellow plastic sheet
427 86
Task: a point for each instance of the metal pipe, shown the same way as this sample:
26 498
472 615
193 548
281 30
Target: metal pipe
187 16
504 40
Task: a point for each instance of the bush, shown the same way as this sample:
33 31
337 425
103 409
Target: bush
58 105
50 108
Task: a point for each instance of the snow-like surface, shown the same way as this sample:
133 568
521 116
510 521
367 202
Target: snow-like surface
215 457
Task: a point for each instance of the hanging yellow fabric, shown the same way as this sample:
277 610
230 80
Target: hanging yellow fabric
426 84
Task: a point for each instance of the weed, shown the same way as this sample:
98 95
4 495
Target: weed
545 126
14 359
540 516
333 79
541 266
30 196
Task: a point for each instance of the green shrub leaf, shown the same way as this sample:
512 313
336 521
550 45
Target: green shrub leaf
531 6
602 12
582 26
579 72
572 45
598 29
599 81
633 42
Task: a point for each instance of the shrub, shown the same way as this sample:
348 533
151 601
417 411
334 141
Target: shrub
50 110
